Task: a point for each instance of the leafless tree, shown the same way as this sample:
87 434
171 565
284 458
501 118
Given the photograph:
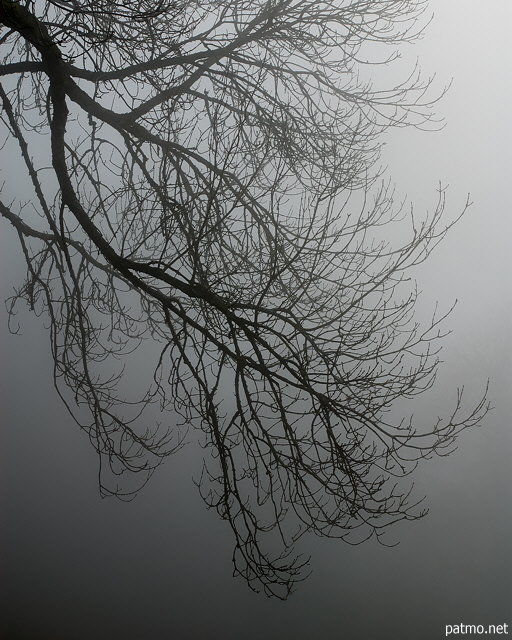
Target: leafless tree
214 186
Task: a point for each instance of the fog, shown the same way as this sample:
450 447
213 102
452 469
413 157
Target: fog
75 566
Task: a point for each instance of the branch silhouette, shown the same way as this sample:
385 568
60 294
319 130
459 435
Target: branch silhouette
214 187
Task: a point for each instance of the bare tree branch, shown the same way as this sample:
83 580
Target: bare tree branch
214 187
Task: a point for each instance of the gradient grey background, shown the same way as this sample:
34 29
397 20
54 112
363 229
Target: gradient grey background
74 566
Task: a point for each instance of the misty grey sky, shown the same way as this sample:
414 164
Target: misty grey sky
74 566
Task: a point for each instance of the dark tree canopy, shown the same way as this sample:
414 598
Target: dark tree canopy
205 175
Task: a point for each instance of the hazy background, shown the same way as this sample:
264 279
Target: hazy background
74 566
